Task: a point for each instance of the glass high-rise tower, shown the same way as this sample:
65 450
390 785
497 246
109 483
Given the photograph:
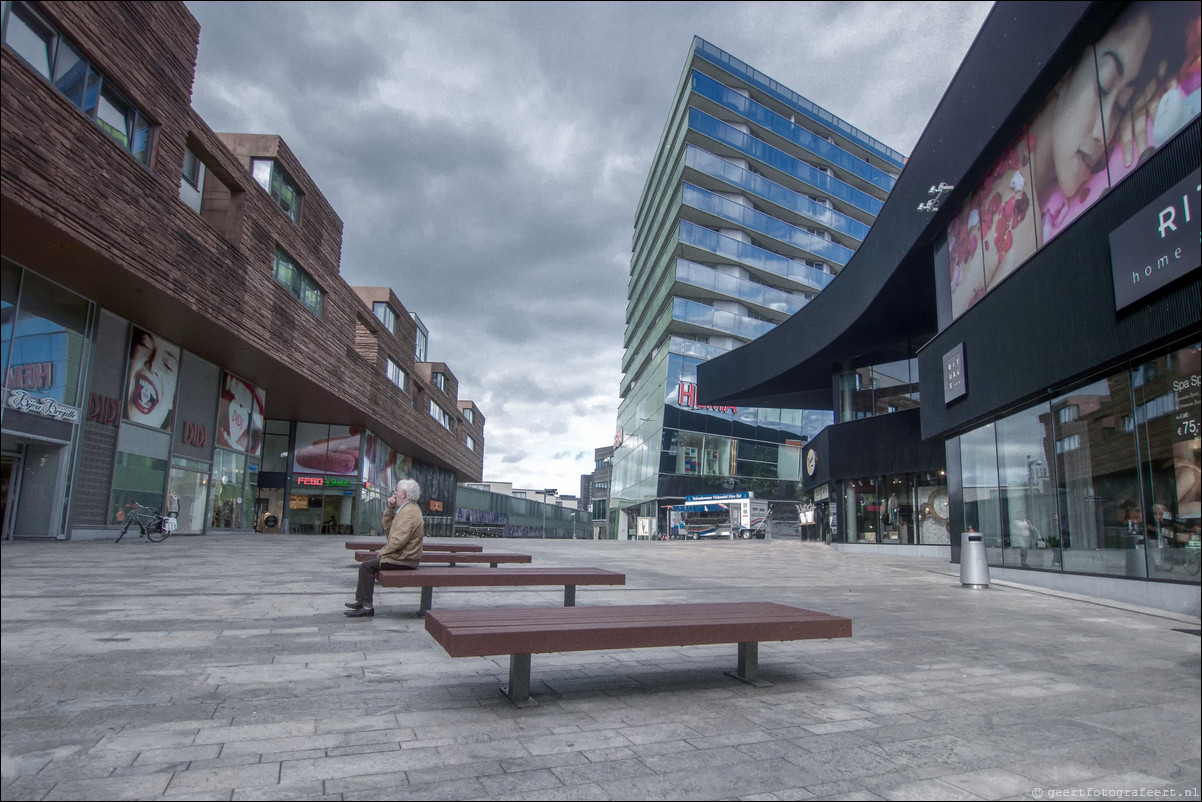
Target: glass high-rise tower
755 200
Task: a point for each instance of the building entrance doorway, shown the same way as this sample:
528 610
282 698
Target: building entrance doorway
33 481
10 476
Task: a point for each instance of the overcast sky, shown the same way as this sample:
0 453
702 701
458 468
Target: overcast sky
486 160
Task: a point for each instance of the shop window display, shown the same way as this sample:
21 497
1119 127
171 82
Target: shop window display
190 487
933 510
1104 479
227 491
1167 419
136 479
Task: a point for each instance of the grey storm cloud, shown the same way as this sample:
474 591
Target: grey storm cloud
487 161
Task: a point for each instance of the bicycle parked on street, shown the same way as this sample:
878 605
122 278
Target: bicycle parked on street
152 525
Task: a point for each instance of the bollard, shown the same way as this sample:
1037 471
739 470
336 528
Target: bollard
974 568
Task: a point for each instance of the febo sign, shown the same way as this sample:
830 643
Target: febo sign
1159 245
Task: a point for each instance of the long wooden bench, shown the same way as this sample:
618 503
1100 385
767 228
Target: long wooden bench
455 558
429 578
376 545
522 632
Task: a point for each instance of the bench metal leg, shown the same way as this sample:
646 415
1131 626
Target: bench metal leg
427 602
749 666
518 689
569 595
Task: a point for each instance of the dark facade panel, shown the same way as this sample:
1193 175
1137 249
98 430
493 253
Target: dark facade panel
876 446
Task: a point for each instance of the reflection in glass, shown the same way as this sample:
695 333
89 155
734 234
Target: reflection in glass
1028 503
45 344
1167 413
25 33
136 479
982 508
1094 450
190 487
229 469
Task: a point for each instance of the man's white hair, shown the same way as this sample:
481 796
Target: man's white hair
411 489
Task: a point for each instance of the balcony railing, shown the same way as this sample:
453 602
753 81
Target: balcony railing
718 320
761 151
732 250
760 187
760 223
742 290
764 117
787 96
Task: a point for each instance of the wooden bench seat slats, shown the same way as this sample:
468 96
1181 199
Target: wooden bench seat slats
429 578
520 633
376 545
485 577
455 558
478 633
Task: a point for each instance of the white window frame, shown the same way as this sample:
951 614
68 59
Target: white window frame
396 374
439 414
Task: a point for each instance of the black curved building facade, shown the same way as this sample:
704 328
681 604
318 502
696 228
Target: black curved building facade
1038 263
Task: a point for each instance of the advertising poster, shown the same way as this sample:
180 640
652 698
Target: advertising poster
1124 99
234 414
152 377
327 449
255 446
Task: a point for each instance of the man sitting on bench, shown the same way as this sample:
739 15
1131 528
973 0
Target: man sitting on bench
405 527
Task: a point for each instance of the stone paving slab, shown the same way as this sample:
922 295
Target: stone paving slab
181 670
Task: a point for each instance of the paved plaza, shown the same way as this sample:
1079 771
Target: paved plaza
222 667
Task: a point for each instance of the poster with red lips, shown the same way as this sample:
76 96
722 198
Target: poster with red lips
151 380
236 421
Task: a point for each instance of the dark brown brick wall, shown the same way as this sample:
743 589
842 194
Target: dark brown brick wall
80 210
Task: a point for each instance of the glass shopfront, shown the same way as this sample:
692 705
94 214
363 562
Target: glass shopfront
321 505
1102 479
44 335
901 509
189 483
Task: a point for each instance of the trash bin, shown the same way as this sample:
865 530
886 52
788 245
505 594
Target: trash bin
974 568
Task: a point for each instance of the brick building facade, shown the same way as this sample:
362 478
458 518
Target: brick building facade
133 233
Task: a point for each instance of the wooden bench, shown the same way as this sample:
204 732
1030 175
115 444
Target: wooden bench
455 558
376 545
522 632
429 578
